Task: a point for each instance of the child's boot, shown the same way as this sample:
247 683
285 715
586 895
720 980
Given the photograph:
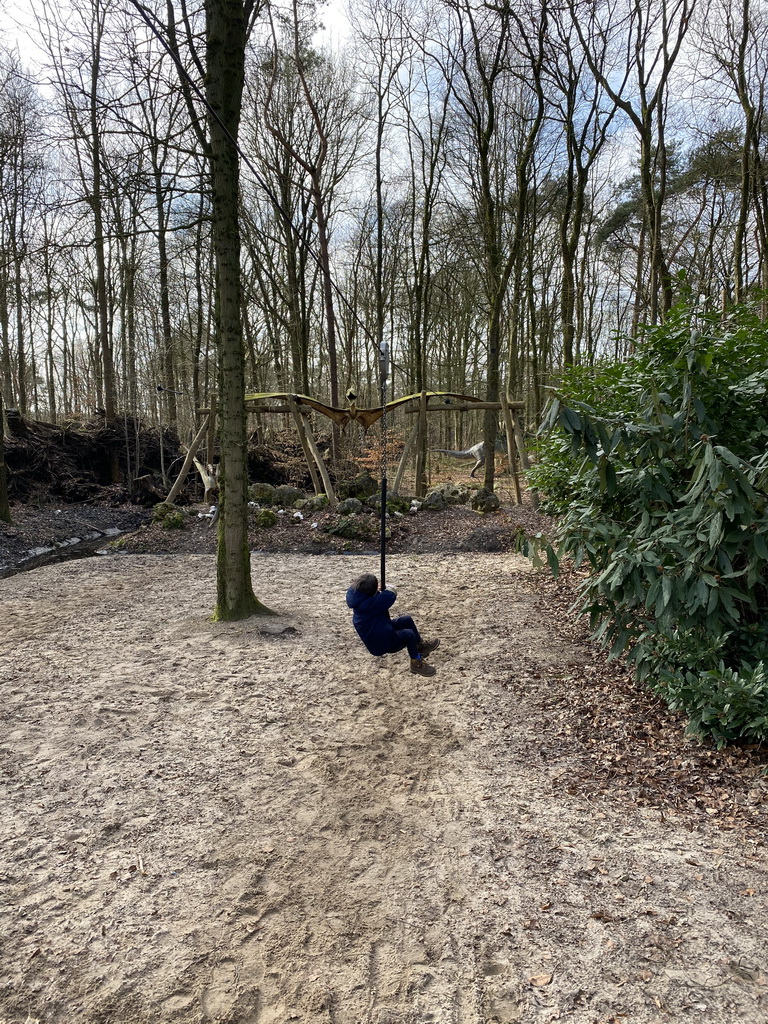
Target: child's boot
427 646
420 668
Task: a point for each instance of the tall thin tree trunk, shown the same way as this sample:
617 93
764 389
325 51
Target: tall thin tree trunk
21 354
5 341
165 305
5 509
102 302
225 56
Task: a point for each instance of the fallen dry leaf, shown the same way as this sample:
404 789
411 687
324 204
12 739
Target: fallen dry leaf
540 980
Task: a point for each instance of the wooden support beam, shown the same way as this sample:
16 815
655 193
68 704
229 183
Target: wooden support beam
455 407
511 454
255 406
321 466
210 476
463 407
192 452
300 426
395 490
421 446
526 462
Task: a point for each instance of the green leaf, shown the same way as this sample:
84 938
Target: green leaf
761 548
570 420
552 559
716 530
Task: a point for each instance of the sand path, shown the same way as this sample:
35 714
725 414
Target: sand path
258 823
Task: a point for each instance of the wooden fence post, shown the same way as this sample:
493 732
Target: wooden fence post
300 426
520 439
511 454
404 458
174 492
320 465
422 444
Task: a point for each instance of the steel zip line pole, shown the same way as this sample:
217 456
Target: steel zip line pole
383 377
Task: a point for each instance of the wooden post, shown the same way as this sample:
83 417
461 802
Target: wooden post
297 419
174 492
395 489
211 428
210 477
409 410
422 444
511 454
320 465
520 440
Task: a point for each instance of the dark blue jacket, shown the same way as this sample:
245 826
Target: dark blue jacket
371 619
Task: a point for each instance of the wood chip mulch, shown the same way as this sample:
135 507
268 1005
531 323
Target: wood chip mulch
608 734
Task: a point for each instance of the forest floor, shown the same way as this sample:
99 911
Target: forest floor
257 823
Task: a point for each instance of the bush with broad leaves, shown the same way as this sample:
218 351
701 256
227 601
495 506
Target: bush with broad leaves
657 472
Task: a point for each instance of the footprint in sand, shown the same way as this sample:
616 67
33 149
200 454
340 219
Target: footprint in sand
219 997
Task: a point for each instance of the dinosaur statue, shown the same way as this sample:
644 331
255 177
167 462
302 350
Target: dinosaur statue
477 452
365 417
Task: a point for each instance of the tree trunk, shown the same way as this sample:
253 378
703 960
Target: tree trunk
21 356
5 343
5 509
102 298
165 304
225 52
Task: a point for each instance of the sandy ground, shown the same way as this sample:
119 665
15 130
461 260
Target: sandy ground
258 823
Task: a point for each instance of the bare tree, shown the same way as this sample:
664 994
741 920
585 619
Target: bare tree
649 38
735 38
226 30
497 107
580 107
20 196
75 41
323 173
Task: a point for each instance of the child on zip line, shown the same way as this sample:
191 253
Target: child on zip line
382 634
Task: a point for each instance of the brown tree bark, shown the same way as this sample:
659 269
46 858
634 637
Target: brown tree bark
5 509
225 58
99 240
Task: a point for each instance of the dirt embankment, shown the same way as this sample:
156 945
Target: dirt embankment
258 823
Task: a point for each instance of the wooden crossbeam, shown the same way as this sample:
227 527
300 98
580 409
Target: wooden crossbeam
463 407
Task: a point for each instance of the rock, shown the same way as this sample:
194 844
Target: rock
173 520
454 494
263 493
167 515
394 504
286 495
361 487
317 504
434 501
485 501
349 506
353 527
265 518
